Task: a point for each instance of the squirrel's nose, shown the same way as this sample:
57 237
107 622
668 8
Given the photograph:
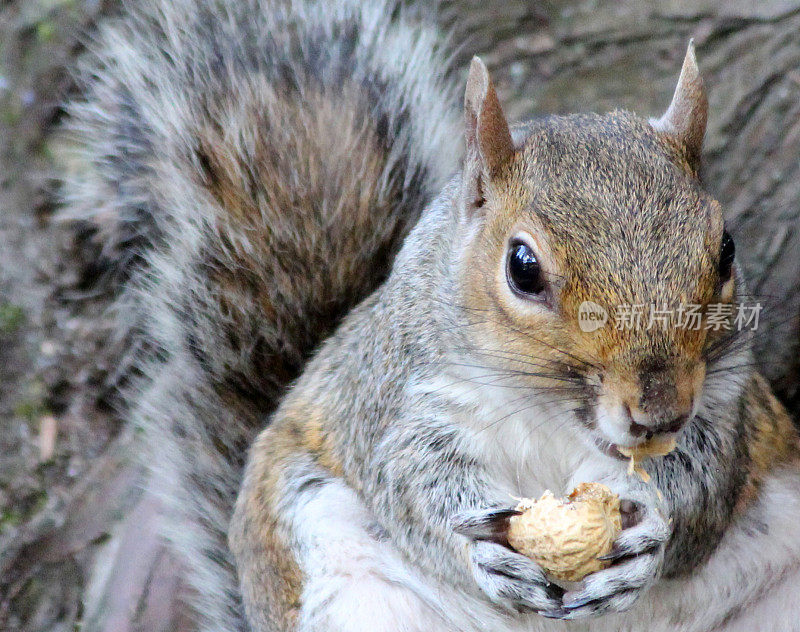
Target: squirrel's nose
648 430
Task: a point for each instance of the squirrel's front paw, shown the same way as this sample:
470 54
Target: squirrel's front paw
511 580
637 558
508 579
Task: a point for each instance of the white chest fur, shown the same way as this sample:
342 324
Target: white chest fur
529 440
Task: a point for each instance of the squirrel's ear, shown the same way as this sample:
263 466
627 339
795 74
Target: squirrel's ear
489 144
685 119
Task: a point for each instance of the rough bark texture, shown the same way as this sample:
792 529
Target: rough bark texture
70 509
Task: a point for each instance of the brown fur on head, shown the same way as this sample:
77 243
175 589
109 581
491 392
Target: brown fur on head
611 209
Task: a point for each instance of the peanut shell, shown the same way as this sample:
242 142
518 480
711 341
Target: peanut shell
657 446
566 536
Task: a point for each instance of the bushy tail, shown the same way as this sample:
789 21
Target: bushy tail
255 164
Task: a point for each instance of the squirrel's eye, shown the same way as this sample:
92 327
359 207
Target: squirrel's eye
524 272
727 252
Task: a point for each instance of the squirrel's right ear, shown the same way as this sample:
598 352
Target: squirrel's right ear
488 139
685 119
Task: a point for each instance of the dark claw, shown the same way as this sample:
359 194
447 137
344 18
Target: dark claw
596 605
485 525
613 554
616 554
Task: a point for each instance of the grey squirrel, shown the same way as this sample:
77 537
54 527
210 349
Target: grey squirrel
274 156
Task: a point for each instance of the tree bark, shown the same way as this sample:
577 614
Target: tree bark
573 55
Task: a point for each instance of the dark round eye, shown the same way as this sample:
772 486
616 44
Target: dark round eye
727 251
524 272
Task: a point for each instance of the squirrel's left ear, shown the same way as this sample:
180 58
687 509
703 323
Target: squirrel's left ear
489 144
685 119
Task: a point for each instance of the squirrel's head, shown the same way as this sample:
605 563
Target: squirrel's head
573 225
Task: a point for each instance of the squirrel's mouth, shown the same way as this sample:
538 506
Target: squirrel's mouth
609 449
654 446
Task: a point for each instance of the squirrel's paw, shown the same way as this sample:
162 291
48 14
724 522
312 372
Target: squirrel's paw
637 558
507 578
511 580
